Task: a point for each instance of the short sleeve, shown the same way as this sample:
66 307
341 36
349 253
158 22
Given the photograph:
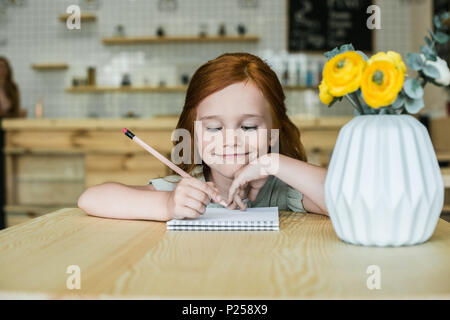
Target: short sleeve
295 200
165 184
169 183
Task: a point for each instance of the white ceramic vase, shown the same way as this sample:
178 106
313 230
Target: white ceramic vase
384 186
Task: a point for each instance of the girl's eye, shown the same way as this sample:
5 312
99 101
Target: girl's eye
248 128
214 129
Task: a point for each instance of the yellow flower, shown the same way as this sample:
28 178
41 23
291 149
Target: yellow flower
390 56
343 73
382 81
324 94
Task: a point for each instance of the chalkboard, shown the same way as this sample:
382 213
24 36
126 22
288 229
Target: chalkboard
321 25
439 7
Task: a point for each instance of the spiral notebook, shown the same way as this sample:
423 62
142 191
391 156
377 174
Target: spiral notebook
219 219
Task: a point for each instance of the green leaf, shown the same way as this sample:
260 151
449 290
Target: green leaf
436 84
429 42
441 37
415 61
367 109
428 53
437 22
413 89
399 102
414 105
431 71
382 111
346 47
444 15
332 53
334 101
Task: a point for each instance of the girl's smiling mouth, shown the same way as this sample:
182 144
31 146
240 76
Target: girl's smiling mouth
231 155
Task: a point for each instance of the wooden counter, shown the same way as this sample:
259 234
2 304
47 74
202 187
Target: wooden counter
132 259
50 162
160 122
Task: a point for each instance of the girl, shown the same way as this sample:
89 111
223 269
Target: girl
230 103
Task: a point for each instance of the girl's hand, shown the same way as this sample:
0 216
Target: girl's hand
240 194
190 198
252 176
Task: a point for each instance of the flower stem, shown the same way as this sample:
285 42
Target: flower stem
355 96
424 82
356 103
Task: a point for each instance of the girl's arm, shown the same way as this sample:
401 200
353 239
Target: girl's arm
119 201
306 178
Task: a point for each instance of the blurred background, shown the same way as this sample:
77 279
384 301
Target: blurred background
128 63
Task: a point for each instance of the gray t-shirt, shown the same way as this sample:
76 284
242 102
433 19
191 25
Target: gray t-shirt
274 193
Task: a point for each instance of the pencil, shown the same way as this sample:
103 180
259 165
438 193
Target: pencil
160 157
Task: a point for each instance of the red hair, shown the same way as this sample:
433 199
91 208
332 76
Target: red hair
230 68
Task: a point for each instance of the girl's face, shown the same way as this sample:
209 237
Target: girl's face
233 127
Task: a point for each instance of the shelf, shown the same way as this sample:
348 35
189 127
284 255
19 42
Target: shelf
443 155
179 39
93 89
49 66
445 172
86 17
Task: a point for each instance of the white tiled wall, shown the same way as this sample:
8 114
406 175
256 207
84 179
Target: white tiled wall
35 34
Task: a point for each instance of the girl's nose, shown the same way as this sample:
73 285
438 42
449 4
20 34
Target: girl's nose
231 137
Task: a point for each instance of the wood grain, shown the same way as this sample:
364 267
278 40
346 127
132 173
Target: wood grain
139 259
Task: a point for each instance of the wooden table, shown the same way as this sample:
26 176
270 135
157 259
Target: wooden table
139 259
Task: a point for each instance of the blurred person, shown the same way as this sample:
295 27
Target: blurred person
9 92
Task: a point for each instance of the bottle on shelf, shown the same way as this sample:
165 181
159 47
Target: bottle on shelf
286 73
298 73
309 76
39 108
320 66
91 76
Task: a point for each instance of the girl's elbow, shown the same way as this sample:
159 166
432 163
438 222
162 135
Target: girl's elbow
89 193
85 200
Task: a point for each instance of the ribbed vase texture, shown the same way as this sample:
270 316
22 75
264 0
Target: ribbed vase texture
384 186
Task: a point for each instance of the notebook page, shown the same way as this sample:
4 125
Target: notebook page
265 216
